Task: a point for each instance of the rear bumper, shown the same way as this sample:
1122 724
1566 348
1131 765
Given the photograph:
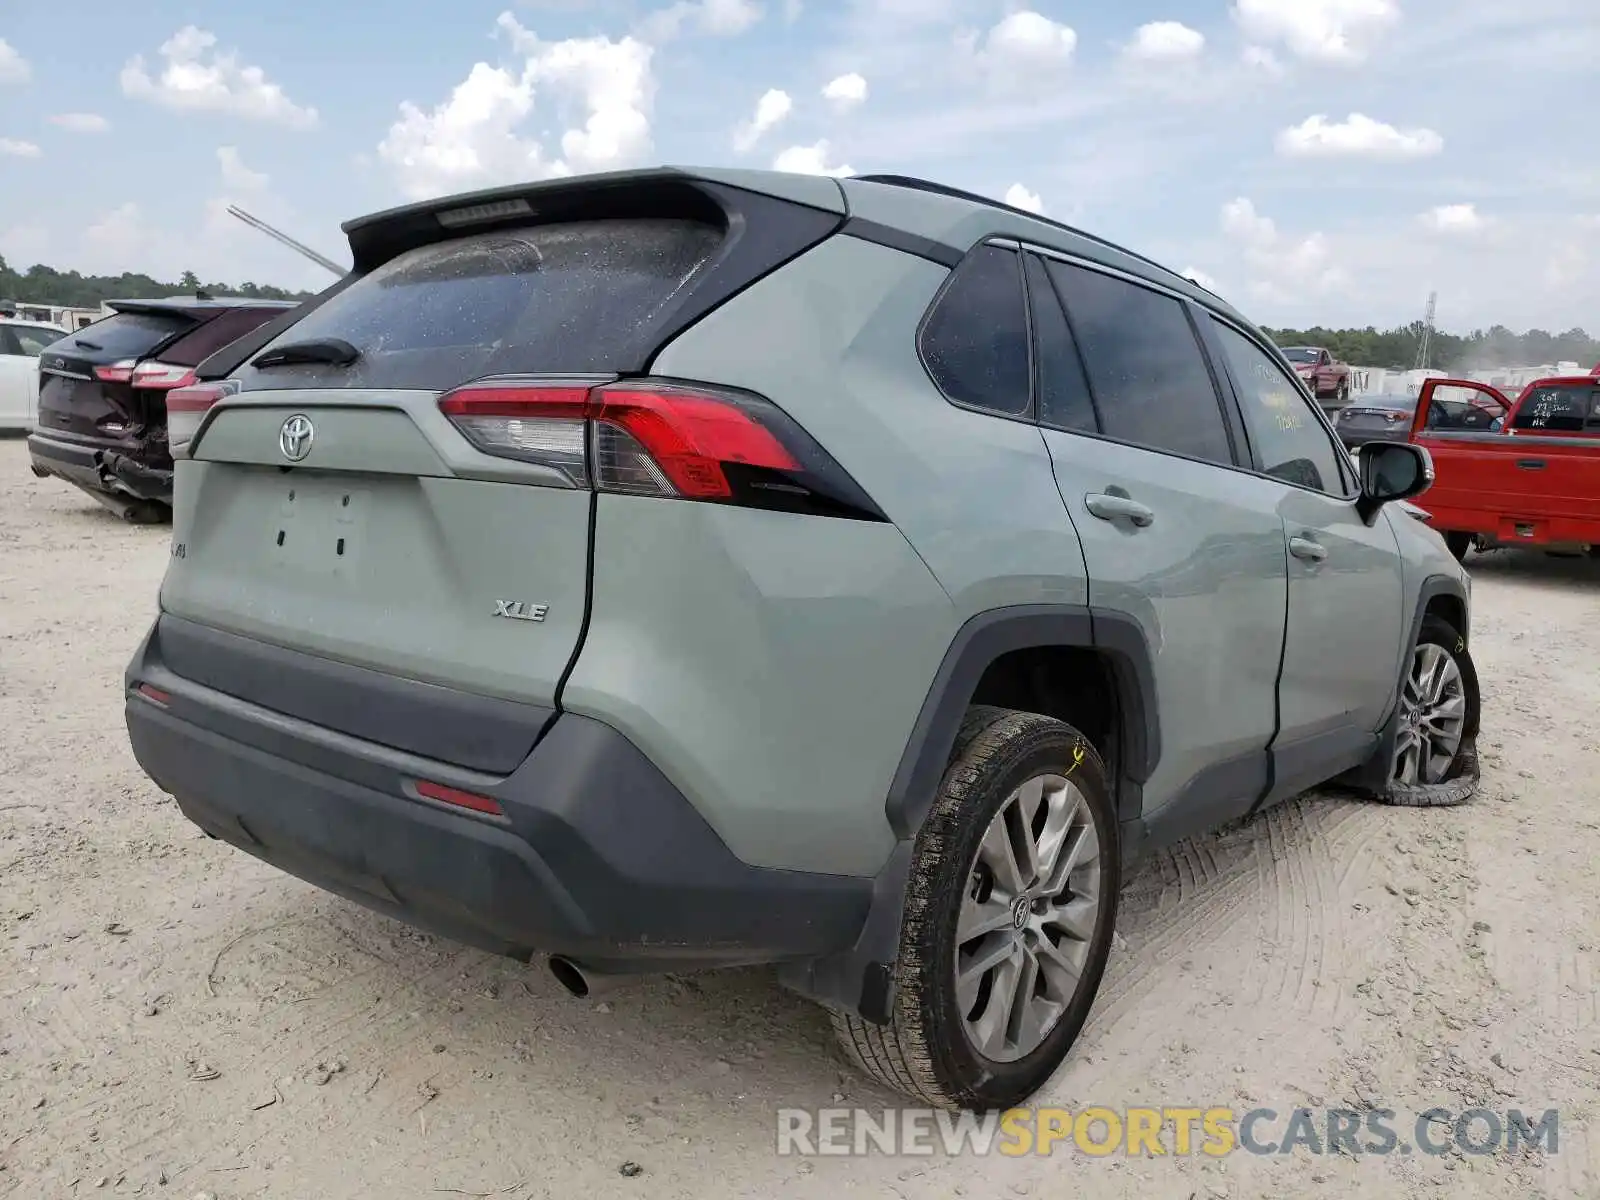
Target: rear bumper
597 858
108 470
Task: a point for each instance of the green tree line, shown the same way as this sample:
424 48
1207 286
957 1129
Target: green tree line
40 284
1496 346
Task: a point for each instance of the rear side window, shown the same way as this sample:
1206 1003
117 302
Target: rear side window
1150 382
975 340
33 341
574 297
1064 401
227 326
125 335
1560 408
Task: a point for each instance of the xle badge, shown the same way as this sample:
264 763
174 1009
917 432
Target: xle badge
520 610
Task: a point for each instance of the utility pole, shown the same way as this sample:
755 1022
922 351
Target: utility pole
1425 343
257 223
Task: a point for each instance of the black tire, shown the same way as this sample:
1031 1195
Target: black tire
924 1051
1342 394
147 512
1460 782
1460 544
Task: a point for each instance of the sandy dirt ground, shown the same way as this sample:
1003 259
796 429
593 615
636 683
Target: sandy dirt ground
177 1019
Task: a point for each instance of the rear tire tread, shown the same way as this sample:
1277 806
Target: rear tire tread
898 1055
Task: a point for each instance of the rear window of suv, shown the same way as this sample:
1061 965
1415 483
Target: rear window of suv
574 297
124 335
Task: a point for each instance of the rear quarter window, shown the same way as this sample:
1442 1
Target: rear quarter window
574 297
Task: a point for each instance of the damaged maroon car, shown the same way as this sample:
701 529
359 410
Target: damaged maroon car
102 423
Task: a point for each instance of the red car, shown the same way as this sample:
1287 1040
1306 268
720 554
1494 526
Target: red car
1523 472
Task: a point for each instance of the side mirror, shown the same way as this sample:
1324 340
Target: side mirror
1391 471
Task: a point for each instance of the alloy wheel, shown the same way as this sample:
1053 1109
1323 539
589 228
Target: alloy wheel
1027 918
1433 715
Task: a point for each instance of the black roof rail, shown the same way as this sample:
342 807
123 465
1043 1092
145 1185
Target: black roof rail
940 189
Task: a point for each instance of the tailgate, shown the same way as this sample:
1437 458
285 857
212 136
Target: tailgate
392 545
328 506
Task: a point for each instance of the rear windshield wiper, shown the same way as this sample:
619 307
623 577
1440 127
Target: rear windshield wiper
333 351
86 344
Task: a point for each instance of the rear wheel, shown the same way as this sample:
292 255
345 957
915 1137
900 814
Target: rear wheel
1008 921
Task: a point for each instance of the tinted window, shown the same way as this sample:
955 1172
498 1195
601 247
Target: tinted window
33 341
975 341
1292 443
123 335
1063 391
1559 408
574 297
1150 382
227 326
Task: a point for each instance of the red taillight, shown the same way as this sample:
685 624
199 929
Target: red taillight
459 799
117 372
658 438
689 435
162 375
195 397
154 693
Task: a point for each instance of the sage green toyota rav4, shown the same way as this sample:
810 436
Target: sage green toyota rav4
678 569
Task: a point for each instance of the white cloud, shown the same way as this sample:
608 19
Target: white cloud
845 92
1454 218
810 160
1020 197
13 67
197 77
771 110
1280 266
19 149
1166 41
81 122
1200 277
1321 30
473 138
1025 41
1357 136
717 18
1259 58
235 175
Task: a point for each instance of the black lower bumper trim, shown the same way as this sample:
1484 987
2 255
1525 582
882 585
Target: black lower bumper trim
599 858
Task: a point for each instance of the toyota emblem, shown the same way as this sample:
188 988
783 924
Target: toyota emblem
294 439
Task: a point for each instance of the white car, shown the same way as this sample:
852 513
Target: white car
20 345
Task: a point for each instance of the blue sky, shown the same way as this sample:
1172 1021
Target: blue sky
1314 160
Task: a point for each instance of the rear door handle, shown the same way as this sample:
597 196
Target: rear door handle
1118 508
1308 549
1531 464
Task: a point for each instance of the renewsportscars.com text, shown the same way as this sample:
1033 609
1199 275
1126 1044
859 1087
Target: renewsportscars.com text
1156 1132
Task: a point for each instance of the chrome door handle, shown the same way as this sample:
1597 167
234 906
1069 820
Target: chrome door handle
1118 508
1308 549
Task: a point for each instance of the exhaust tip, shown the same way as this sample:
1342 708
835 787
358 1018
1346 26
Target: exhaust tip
569 976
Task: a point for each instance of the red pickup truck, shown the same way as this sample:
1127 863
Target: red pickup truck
1523 472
